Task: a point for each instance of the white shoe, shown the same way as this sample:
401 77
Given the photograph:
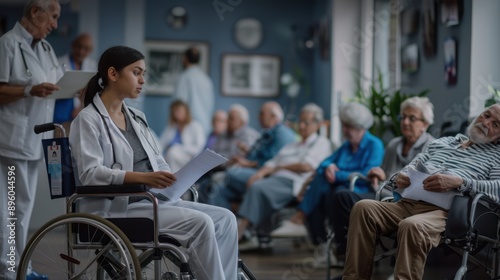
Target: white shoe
289 229
321 254
250 244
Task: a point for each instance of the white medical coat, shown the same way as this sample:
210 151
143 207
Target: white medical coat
92 150
18 140
195 88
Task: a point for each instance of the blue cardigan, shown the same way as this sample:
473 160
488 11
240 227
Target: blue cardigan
369 154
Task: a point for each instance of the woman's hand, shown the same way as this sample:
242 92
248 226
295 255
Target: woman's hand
158 179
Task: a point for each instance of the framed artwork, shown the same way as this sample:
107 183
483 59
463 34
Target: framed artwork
450 61
430 28
409 22
250 75
164 60
409 58
450 12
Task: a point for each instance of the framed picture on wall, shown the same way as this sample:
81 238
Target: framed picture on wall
409 59
164 63
450 12
250 75
450 61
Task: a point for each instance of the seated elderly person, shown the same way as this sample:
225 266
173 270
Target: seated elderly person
470 164
238 134
359 153
416 116
230 185
219 127
275 184
229 144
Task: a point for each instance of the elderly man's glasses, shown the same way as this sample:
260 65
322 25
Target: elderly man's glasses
412 119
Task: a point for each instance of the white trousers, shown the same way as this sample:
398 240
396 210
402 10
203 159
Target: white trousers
24 180
208 232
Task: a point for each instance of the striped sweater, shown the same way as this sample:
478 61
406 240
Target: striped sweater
478 165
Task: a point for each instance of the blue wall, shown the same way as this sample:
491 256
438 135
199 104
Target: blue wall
204 24
451 102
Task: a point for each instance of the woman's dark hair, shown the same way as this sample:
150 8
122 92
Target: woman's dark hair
117 57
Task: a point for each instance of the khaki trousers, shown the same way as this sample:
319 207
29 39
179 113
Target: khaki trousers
418 224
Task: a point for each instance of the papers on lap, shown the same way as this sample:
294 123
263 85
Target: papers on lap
416 191
190 173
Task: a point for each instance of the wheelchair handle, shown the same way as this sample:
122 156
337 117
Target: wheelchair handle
40 128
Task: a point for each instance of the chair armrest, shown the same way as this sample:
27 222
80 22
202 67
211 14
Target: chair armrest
110 189
384 188
355 176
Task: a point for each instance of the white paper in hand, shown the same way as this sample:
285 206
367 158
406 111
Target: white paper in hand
71 83
416 191
190 173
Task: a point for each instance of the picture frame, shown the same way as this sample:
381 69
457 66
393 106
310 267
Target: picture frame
450 12
450 61
164 60
252 75
409 59
430 28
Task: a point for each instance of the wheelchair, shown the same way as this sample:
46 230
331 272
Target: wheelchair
472 232
87 246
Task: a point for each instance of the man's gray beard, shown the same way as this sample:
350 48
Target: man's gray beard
476 136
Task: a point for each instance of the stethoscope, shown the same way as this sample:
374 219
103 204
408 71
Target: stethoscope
139 120
45 47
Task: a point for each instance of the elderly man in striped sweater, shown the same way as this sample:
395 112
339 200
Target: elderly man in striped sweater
456 164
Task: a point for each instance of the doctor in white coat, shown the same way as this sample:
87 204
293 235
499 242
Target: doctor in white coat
28 72
112 144
76 60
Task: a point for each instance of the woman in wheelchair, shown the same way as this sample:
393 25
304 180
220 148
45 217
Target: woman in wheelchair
464 165
112 144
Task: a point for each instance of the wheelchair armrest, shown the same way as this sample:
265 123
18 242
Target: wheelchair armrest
384 192
110 189
355 176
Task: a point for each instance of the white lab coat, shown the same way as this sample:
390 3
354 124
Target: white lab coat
20 147
209 233
193 141
18 118
93 153
195 88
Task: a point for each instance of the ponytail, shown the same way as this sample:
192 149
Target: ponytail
117 57
91 90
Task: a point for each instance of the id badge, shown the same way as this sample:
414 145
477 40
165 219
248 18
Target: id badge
54 168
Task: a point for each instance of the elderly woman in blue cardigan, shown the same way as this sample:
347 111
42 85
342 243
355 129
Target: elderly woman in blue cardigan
359 153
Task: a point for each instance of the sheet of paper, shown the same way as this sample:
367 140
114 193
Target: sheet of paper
416 191
191 172
71 83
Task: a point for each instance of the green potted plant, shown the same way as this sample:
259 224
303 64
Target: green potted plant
384 105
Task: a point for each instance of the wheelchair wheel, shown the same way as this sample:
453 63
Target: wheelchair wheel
169 265
80 246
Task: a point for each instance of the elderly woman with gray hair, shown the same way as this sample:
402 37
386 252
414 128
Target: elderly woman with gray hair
359 153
